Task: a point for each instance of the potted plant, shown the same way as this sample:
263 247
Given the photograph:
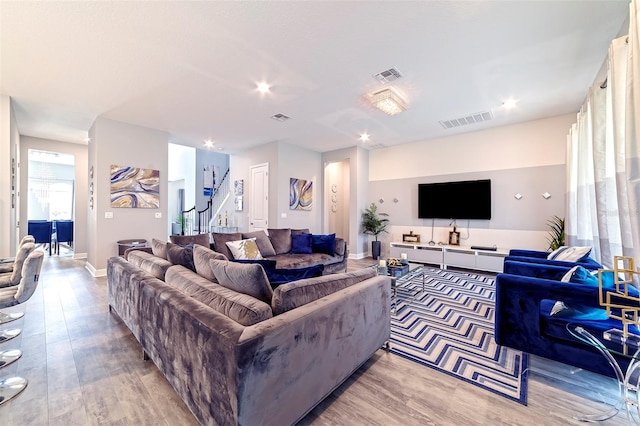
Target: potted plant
556 232
374 223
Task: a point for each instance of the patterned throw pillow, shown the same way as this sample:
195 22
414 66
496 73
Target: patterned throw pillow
570 254
244 249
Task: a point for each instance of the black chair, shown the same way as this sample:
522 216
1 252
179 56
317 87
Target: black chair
64 231
41 231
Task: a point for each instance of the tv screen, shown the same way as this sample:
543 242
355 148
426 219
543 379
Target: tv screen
469 199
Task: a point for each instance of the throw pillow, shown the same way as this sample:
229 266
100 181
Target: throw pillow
181 255
578 312
220 242
301 244
280 239
263 242
201 258
570 254
159 248
324 244
248 279
244 249
282 276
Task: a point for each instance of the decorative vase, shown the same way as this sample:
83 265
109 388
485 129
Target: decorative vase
375 249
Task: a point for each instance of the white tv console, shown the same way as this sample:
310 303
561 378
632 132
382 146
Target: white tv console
451 256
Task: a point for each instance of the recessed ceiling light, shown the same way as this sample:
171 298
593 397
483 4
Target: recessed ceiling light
509 103
364 137
263 87
209 143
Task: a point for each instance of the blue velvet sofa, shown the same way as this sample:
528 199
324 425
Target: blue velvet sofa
540 257
525 295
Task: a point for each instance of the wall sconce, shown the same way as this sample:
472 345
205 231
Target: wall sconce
546 195
518 196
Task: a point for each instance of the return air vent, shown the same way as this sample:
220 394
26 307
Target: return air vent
376 146
478 117
280 117
388 76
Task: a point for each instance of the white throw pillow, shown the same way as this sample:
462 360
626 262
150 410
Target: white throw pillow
569 254
566 278
245 249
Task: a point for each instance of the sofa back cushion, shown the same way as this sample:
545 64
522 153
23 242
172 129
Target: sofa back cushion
179 255
297 293
247 278
263 242
280 239
220 241
159 248
184 240
152 265
201 257
241 308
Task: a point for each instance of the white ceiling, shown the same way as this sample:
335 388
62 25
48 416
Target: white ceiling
191 68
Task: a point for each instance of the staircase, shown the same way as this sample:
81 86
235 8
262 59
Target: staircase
200 221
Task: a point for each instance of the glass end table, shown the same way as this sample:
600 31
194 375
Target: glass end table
400 280
628 381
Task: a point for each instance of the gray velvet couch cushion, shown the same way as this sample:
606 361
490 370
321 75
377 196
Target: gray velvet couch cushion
262 241
241 308
298 293
159 248
247 278
13 277
153 265
184 240
280 239
201 257
220 241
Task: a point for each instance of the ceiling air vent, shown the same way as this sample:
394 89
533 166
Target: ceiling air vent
388 76
478 117
376 146
280 117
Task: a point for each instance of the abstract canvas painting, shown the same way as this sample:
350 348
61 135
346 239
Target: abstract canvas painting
300 194
134 187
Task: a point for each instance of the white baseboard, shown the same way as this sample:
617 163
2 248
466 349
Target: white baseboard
95 272
79 255
357 256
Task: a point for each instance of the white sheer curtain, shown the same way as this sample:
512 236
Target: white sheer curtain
603 167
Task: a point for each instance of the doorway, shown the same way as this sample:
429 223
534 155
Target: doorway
259 216
51 200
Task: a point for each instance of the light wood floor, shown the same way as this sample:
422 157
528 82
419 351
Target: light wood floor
84 367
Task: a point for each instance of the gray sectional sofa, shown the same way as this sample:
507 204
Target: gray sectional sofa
238 353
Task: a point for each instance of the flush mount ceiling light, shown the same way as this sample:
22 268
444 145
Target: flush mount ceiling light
209 143
364 137
263 87
509 103
388 101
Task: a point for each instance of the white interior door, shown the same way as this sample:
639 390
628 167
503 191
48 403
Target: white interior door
259 208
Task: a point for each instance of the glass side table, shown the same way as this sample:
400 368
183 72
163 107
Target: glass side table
400 281
628 381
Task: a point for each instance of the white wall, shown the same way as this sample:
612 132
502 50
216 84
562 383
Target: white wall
296 162
123 144
8 150
528 158
81 187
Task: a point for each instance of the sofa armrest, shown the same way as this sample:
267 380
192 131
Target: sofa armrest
302 355
528 253
341 246
129 250
518 298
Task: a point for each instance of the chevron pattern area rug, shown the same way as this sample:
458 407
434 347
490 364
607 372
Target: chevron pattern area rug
449 327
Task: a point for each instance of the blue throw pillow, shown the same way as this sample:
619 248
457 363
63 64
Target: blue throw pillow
578 312
301 244
324 244
282 276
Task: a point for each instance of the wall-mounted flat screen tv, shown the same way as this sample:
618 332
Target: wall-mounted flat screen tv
469 199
